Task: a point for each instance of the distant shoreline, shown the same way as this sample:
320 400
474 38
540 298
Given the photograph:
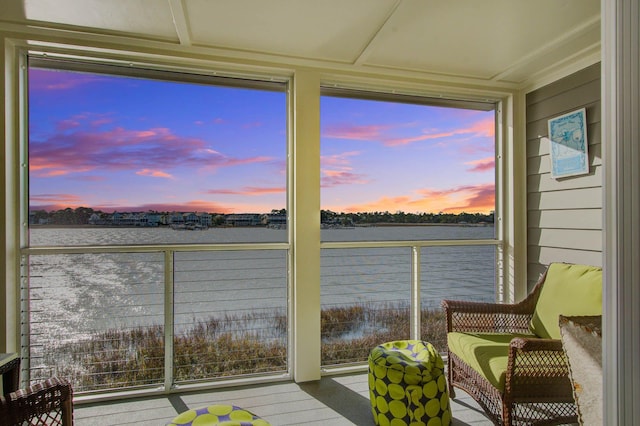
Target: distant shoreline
367 225
88 226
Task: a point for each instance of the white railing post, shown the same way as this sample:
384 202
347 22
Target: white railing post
415 293
168 319
500 275
25 335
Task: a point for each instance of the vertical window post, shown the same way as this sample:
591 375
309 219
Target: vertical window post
306 226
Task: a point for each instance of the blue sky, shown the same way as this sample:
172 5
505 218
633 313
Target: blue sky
129 144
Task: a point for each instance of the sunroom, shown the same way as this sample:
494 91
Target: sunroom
192 295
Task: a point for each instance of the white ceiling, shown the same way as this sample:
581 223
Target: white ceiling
489 41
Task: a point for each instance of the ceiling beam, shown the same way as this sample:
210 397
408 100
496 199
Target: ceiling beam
366 52
590 26
180 22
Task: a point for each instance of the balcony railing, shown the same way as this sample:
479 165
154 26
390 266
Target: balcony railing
156 317
147 318
372 294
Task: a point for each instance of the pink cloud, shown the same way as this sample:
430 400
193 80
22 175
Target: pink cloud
78 120
187 206
239 161
336 170
154 173
122 149
346 131
342 159
382 204
332 178
423 137
65 125
47 80
49 168
94 178
57 198
50 202
482 165
466 198
470 198
486 127
248 191
101 121
482 128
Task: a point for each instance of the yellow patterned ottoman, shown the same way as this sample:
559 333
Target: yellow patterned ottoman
221 415
407 385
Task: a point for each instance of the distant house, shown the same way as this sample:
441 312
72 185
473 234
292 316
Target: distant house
153 219
35 220
127 219
146 219
204 219
96 219
117 218
190 217
243 219
175 218
275 220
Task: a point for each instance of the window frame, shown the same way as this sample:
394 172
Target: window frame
415 97
154 72
303 127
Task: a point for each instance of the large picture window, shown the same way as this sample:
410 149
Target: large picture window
408 199
156 244
139 181
157 151
396 160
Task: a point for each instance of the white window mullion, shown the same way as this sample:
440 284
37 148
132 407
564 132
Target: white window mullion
416 307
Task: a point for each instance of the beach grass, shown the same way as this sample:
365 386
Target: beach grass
230 345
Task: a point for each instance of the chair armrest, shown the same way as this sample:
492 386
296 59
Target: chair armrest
537 368
487 317
475 307
534 344
51 400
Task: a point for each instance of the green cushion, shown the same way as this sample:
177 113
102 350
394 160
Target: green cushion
407 384
570 290
486 353
218 415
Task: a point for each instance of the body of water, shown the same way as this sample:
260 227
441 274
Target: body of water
73 296
96 236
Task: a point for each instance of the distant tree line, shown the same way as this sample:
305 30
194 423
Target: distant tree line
81 215
365 218
68 216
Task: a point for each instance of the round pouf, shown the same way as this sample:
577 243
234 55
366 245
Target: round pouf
407 385
227 415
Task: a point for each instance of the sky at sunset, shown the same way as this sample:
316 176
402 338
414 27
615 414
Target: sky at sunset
127 144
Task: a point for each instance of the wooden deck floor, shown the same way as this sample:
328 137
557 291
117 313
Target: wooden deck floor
334 400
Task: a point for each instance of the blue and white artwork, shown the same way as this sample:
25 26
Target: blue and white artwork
569 152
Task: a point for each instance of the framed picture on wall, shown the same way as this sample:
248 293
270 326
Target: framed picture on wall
569 146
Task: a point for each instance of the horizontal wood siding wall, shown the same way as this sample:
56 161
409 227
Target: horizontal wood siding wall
564 216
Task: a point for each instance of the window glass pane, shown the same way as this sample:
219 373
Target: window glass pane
96 319
406 171
458 273
365 296
108 152
230 313
454 273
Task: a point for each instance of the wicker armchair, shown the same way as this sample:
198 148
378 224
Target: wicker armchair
509 358
46 403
